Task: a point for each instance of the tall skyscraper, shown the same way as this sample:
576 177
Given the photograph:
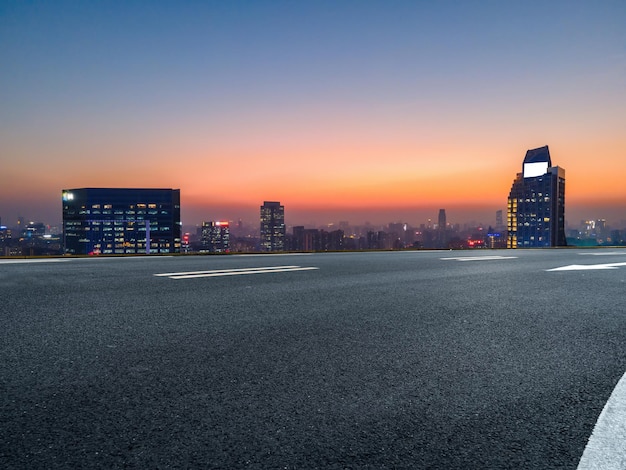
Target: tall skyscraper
121 221
441 221
536 204
272 226
441 235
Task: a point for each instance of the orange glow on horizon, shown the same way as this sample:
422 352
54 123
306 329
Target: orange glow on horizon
353 178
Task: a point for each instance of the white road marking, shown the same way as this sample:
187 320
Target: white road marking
225 270
235 272
604 253
479 258
271 254
587 267
606 448
118 257
25 261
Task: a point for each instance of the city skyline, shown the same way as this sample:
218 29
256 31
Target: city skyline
353 111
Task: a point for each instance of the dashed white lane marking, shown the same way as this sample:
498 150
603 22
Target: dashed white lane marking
606 449
587 267
25 261
235 272
478 258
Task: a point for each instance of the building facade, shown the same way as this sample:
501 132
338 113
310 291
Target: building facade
121 221
536 203
215 237
272 227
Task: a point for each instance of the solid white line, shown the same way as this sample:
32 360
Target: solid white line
239 273
606 449
226 270
479 258
24 261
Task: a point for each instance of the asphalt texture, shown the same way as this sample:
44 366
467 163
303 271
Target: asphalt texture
381 360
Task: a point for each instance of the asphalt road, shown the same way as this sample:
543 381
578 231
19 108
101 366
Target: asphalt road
366 360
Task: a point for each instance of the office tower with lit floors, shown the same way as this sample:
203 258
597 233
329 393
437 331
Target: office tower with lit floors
536 203
215 237
272 226
121 221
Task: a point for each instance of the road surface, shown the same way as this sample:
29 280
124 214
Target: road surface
425 359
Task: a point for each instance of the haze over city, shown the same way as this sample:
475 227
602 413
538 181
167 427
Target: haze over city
358 111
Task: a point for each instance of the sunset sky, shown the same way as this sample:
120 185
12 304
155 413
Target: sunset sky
372 111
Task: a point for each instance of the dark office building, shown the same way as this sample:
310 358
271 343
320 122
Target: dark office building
442 232
316 240
536 204
121 221
272 226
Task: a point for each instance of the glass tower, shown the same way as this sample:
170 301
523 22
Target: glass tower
536 204
121 221
272 226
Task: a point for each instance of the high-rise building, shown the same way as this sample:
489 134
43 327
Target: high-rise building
215 237
272 226
536 204
441 235
121 221
499 221
441 220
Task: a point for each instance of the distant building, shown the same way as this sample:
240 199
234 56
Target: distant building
272 226
215 237
5 241
305 239
494 239
442 235
536 203
499 221
441 220
316 240
33 230
121 221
